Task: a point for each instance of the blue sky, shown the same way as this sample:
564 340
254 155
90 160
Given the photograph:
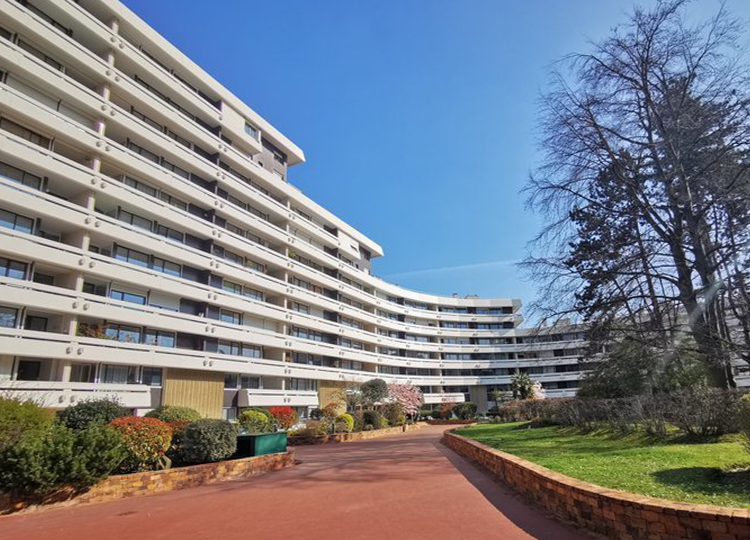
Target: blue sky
417 117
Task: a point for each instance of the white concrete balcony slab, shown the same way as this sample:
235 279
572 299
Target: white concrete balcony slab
277 398
430 399
58 395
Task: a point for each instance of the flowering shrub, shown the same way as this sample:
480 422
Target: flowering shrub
146 441
408 396
285 417
253 421
537 392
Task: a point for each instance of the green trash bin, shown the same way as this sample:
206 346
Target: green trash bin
258 444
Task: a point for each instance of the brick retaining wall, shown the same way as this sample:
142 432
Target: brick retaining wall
612 513
355 436
152 482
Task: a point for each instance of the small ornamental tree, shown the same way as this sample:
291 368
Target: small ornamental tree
146 441
253 421
374 391
522 386
285 417
408 396
537 391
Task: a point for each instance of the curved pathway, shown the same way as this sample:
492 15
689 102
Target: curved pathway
406 486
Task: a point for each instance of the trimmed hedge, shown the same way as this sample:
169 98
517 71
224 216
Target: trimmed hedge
207 440
345 423
96 411
173 413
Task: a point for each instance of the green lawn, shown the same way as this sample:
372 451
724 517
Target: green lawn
669 470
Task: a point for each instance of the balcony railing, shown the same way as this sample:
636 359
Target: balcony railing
58 395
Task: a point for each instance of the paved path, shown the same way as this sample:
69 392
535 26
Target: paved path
406 486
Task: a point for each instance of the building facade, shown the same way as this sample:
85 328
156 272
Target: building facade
153 249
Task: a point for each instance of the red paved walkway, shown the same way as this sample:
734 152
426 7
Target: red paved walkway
406 486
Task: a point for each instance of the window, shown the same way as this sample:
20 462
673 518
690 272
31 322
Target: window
174 201
38 324
167 267
229 347
119 374
143 152
22 177
252 293
128 297
16 222
135 220
175 169
151 376
252 131
166 232
131 256
119 332
232 287
12 269
159 338
251 351
231 380
301 308
39 54
146 119
230 316
8 317
258 267
250 382
44 279
140 186
82 373
306 385
304 333
28 370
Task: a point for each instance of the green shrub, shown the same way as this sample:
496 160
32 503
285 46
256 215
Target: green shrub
146 441
207 440
465 411
705 412
45 462
744 419
392 411
401 420
383 422
359 420
18 417
345 423
172 413
254 421
97 411
371 418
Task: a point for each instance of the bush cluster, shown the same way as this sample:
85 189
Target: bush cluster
255 421
284 417
18 418
344 423
699 412
87 413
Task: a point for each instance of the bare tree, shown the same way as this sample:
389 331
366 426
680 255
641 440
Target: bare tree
645 187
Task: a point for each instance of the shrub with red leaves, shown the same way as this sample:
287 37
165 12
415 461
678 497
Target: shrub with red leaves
145 439
284 416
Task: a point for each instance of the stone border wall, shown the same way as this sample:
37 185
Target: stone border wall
452 422
612 513
354 436
153 482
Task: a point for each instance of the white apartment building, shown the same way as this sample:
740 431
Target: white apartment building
153 249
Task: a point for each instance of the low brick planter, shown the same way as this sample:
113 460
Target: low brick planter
352 437
612 513
451 422
152 482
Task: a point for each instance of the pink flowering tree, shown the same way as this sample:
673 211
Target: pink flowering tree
537 392
407 395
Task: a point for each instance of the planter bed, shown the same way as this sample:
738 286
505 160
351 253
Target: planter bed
152 482
354 436
609 512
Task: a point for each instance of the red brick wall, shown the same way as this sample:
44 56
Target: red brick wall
152 482
614 514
